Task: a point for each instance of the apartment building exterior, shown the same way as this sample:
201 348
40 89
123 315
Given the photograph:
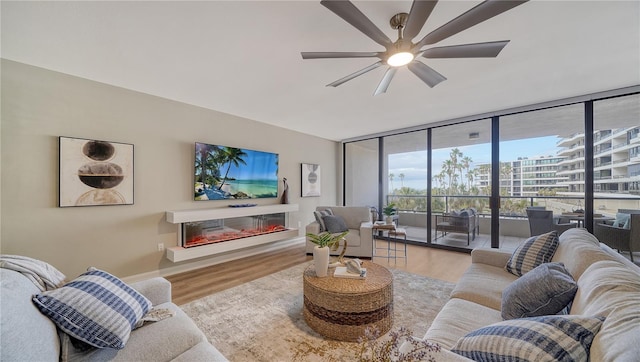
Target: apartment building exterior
527 176
616 167
616 162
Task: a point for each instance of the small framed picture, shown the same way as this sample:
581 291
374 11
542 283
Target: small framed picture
94 173
311 180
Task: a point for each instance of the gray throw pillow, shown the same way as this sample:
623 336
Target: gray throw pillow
545 290
319 215
334 224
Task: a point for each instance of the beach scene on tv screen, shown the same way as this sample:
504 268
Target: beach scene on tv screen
223 173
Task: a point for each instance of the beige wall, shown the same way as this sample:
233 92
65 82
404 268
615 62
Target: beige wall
39 105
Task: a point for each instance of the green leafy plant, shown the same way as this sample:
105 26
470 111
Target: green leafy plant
390 209
327 239
376 349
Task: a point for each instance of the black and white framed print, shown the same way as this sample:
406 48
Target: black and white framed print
95 172
310 180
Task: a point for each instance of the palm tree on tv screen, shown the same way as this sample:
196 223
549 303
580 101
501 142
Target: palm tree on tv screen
232 156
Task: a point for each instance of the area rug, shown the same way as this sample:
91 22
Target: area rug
262 320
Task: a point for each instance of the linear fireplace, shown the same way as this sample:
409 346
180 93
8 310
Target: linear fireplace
204 232
225 230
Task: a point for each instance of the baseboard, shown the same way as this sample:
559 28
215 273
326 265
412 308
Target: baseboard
216 259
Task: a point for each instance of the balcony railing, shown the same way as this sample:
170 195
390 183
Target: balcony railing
511 206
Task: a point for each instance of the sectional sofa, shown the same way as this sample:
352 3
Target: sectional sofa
608 286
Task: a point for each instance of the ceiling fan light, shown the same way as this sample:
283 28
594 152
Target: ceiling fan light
400 59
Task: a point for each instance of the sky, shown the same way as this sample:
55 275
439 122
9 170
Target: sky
413 164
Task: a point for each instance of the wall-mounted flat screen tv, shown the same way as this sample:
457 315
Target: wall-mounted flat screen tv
223 173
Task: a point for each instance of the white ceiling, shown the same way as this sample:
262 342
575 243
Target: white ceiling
243 57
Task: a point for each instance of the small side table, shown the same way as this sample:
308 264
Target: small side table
398 234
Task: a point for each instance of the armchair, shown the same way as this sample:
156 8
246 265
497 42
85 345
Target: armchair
360 235
466 222
620 238
541 221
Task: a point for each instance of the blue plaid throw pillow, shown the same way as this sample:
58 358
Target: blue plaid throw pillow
96 308
540 339
532 252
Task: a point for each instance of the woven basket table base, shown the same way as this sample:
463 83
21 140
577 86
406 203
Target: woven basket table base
342 308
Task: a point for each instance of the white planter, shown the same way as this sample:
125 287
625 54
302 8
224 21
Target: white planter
389 219
321 260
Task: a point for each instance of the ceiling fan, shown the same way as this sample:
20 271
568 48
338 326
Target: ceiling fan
403 51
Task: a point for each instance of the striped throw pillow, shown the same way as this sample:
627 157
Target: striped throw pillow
540 339
96 308
532 252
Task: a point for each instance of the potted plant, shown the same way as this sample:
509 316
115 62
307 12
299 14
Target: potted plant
324 241
389 211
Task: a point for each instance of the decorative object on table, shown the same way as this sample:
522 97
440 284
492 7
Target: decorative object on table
399 346
354 266
353 269
310 180
342 272
285 192
324 241
389 211
94 173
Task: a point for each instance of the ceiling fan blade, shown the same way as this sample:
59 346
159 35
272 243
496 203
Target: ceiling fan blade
386 80
483 11
476 50
353 75
350 13
418 15
321 55
426 73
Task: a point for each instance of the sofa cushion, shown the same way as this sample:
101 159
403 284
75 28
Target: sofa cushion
492 279
159 341
577 249
533 252
319 214
457 318
96 308
547 289
546 338
334 224
611 289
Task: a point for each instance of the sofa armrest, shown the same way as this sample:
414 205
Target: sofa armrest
313 228
157 290
490 256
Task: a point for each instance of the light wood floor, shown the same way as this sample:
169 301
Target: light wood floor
189 286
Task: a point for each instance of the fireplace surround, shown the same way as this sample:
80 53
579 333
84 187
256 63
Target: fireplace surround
203 232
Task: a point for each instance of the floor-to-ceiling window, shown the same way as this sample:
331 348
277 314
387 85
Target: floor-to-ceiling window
616 155
405 180
548 157
542 164
361 170
461 155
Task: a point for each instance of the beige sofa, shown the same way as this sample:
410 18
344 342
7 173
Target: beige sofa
608 285
359 238
28 335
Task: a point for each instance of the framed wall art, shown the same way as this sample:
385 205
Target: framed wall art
94 173
310 180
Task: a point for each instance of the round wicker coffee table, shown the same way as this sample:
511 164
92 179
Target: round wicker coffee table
342 308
